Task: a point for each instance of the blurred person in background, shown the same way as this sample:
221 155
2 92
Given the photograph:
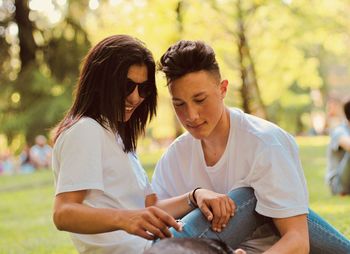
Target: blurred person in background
334 112
8 164
338 155
25 162
40 153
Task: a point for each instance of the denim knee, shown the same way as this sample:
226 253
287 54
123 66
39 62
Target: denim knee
243 196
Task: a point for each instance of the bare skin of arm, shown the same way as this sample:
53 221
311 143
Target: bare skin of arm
344 142
70 214
294 236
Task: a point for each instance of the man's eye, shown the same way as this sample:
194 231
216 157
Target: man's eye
178 104
200 101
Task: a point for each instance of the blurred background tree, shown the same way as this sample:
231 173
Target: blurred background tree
43 46
283 58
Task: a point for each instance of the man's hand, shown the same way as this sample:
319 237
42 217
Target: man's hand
217 208
149 223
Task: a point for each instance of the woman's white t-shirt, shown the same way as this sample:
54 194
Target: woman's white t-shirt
88 157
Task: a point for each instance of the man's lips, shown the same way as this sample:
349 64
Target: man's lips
195 126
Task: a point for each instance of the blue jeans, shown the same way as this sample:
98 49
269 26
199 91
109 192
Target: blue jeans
323 237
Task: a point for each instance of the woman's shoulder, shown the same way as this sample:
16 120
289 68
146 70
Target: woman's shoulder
85 127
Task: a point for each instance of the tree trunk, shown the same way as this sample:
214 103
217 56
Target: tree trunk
245 92
179 10
251 96
25 33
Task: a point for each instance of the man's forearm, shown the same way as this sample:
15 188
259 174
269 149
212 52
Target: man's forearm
291 242
176 206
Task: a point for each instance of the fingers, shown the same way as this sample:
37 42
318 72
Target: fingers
206 211
223 210
144 234
225 214
156 227
155 231
232 205
216 208
168 220
150 223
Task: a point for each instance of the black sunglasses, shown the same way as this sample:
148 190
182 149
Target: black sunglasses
145 88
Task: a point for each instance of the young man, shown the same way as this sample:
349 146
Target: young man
338 173
226 149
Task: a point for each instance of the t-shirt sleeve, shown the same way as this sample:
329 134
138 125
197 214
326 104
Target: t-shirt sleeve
335 137
279 183
80 158
148 188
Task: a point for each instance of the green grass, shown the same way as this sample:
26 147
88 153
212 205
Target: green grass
334 209
25 216
26 203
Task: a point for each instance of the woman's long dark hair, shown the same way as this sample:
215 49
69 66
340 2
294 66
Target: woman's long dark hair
100 91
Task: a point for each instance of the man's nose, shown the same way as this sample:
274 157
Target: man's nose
192 114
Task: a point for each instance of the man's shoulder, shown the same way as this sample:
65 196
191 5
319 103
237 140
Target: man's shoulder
252 127
178 151
182 142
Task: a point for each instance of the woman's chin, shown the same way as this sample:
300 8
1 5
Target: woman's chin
127 116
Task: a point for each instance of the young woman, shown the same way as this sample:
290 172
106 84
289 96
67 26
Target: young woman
100 185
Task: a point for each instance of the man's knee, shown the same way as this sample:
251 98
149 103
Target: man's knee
243 196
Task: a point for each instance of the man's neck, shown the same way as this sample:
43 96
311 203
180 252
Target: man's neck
214 145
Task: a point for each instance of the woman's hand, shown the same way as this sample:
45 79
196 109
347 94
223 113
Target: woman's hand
216 207
149 223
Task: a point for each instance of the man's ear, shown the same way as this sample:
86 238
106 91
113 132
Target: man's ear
223 88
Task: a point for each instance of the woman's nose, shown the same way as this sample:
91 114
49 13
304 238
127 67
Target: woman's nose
134 97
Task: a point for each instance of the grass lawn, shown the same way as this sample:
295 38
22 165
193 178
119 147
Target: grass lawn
26 204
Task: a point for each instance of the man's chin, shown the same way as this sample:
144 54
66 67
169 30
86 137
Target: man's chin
197 135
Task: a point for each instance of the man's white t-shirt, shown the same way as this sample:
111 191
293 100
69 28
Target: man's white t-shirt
258 154
89 157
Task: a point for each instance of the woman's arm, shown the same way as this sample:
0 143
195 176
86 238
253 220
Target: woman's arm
70 214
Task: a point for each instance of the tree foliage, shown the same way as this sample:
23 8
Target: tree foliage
38 88
273 52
